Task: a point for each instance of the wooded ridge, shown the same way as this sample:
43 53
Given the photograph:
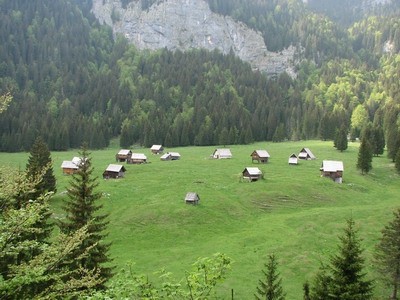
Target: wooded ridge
73 80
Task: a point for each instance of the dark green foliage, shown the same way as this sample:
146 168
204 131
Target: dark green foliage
321 285
379 141
82 209
388 254
270 287
68 70
40 165
397 161
364 161
306 291
341 139
344 278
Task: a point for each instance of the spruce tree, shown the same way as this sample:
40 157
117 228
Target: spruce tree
388 254
270 287
364 162
344 277
397 161
40 166
341 139
81 209
346 268
379 141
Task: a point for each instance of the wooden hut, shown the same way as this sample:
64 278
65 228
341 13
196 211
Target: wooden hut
170 156
306 153
157 149
114 171
332 169
293 160
252 174
137 158
69 167
123 155
222 153
261 156
192 198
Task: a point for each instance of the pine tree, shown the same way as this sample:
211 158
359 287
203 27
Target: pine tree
344 277
397 161
270 288
341 139
379 143
364 162
40 165
388 254
81 210
346 268
320 288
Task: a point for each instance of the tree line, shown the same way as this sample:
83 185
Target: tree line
72 81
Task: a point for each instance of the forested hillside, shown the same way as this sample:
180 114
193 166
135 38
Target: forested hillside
73 81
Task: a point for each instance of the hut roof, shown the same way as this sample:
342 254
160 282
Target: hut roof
156 147
262 153
192 196
175 154
115 168
253 171
306 152
76 160
67 164
293 159
124 152
332 166
138 156
223 152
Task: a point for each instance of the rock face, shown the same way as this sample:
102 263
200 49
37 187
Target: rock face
188 24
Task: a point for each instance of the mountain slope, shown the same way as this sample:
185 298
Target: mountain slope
188 24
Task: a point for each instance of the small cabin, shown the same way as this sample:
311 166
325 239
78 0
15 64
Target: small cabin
170 156
293 160
157 149
262 156
332 169
69 167
123 155
114 171
192 198
137 158
252 174
222 153
306 154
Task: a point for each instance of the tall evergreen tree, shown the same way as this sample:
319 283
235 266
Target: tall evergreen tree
40 165
392 141
341 139
397 161
344 278
364 162
81 209
388 254
270 287
348 276
379 141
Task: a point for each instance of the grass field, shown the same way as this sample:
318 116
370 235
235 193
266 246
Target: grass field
293 212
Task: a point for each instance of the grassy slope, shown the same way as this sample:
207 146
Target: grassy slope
293 212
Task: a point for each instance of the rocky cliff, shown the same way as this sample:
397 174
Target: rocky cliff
188 24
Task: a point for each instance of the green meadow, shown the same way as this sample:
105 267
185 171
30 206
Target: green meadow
293 212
